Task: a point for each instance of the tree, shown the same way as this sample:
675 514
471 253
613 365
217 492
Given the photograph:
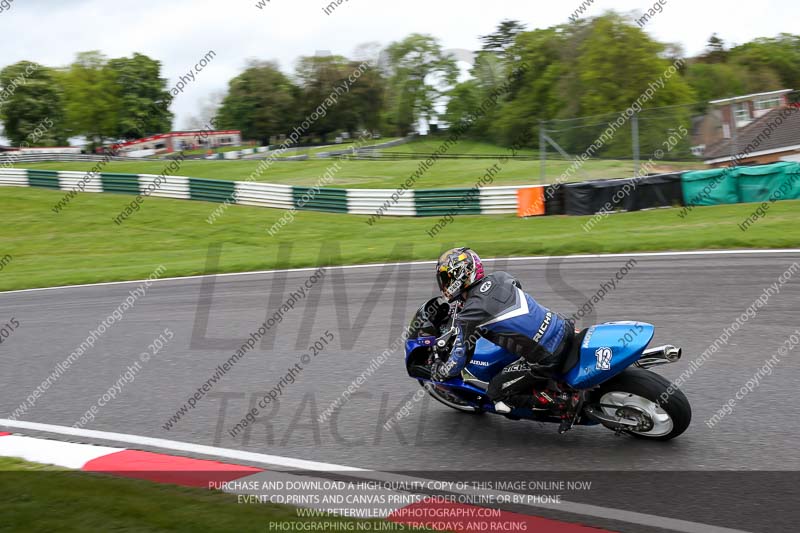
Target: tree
419 74
143 97
781 55
715 51
546 87
323 82
492 81
712 81
91 97
261 102
367 96
596 68
616 65
503 37
32 101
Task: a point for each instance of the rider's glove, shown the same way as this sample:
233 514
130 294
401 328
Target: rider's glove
437 371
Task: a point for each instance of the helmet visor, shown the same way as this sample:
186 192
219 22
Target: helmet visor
449 284
442 279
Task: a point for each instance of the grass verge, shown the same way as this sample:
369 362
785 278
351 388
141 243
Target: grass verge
83 245
43 498
382 174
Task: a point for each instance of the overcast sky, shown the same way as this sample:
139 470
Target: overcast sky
180 32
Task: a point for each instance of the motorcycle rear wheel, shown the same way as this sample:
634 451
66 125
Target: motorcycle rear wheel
639 392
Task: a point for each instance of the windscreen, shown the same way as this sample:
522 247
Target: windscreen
428 319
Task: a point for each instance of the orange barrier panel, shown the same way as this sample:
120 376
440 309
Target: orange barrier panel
530 201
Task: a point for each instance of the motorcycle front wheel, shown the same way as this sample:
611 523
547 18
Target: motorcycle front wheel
441 395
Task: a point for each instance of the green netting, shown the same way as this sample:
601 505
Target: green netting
762 183
710 187
779 181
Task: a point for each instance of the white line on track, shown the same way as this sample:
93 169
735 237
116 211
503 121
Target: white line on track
582 509
238 455
416 263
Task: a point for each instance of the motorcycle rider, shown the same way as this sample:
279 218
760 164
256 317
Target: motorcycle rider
495 307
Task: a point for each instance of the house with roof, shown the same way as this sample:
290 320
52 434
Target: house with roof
750 129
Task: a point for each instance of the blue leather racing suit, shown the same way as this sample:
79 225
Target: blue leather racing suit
497 309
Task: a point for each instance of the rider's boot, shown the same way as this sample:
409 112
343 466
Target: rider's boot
570 405
517 401
502 407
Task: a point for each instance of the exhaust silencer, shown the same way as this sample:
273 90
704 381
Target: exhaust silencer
660 355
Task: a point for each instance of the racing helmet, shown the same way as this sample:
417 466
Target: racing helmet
457 270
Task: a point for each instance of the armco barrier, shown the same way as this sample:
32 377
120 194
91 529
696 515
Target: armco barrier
122 183
332 200
498 200
174 187
371 201
14 177
47 179
366 149
707 187
16 158
437 202
68 180
264 195
211 190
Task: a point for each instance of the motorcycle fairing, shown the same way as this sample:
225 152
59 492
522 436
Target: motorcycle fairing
608 349
604 353
489 360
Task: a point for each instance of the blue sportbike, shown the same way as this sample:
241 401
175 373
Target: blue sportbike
604 380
